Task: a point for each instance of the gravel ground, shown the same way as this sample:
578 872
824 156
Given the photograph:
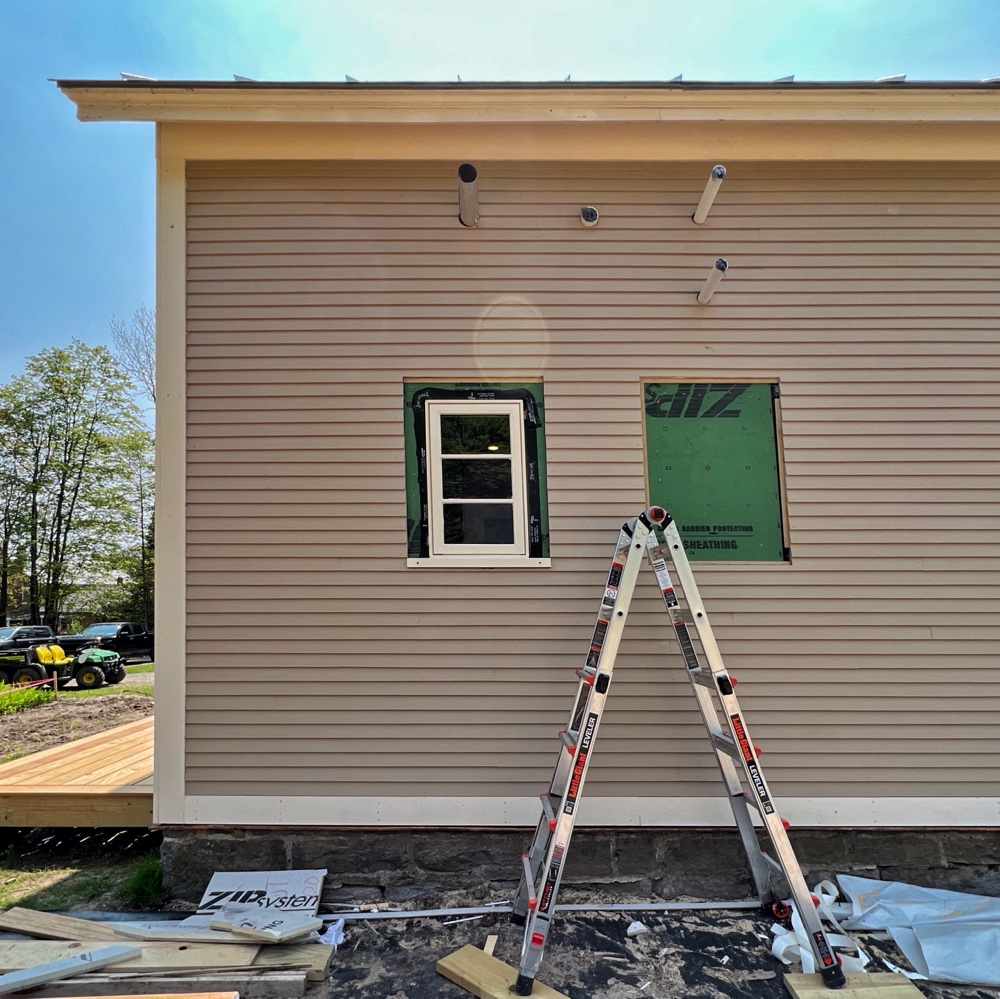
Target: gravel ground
684 955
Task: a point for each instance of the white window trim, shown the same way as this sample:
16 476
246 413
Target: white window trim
476 556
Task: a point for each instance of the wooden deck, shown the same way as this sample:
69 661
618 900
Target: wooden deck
101 781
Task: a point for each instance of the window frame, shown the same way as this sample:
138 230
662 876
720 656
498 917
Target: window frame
521 405
437 501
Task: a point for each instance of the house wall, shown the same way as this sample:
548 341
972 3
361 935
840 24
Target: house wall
326 682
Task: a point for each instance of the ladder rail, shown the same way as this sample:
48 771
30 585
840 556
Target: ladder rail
537 907
748 756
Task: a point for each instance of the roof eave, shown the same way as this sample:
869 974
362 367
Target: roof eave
523 103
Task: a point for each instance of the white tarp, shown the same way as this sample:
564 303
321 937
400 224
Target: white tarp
948 936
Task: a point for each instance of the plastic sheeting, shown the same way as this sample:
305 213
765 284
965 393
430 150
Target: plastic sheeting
948 936
792 943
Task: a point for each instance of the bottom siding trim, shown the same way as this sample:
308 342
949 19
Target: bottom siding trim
247 810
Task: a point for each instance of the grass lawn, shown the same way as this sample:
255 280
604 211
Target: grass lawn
143 668
61 869
105 691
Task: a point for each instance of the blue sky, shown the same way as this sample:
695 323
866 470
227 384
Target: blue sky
77 212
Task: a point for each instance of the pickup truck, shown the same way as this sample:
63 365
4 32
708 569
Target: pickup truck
128 639
24 636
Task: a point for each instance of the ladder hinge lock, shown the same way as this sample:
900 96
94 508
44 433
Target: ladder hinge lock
603 682
724 685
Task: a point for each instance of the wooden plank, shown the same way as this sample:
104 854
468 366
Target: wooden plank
267 927
91 960
16 955
485 976
490 945
126 809
316 958
184 995
272 985
49 926
877 985
178 933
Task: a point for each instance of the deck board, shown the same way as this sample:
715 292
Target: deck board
101 780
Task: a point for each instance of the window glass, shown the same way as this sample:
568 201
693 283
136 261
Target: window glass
477 479
479 524
469 434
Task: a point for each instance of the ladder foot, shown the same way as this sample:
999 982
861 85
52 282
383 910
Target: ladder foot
833 978
524 985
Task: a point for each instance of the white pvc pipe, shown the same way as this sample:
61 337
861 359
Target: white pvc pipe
504 908
715 179
713 280
468 195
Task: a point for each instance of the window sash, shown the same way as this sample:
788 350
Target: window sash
435 488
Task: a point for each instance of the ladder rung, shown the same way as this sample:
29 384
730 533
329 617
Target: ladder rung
569 739
547 808
726 744
773 863
703 677
529 879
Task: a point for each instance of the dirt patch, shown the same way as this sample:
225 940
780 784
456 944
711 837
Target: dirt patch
66 720
692 955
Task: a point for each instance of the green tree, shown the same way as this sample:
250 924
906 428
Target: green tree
82 438
12 504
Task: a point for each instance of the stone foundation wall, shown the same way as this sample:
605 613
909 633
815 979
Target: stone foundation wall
405 865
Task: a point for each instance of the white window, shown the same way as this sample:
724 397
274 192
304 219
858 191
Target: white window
476 483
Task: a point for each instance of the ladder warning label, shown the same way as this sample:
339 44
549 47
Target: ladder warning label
582 752
756 778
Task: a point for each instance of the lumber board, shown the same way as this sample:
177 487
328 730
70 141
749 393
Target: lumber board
17 955
190 935
184 995
179 933
490 945
316 958
877 985
272 985
49 926
485 976
91 960
121 808
267 927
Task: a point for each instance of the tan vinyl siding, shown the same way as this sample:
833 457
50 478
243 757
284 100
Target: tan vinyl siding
318 664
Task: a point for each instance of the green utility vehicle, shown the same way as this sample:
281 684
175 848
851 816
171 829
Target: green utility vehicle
91 668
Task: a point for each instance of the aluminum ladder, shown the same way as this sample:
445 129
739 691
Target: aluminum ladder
738 758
